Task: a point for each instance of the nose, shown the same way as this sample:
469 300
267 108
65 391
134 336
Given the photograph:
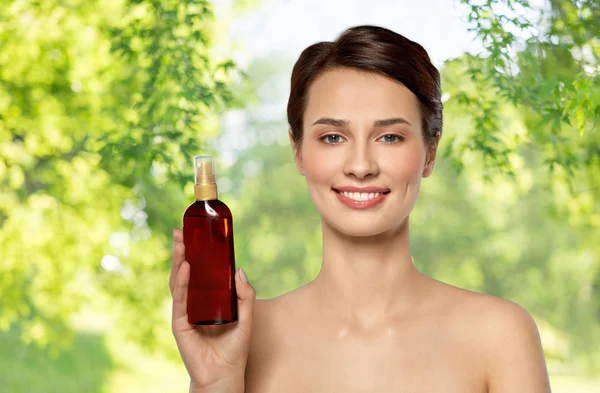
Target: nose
360 161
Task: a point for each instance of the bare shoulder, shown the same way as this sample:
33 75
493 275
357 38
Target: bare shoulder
271 329
506 339
270 313
504 320
492 315
490 321
265 320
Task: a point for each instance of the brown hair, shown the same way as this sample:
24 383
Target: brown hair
372 49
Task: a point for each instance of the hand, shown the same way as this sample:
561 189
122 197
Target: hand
214 355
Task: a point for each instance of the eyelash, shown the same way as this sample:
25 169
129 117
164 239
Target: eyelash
400 139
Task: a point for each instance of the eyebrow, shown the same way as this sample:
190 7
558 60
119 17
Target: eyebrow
377 123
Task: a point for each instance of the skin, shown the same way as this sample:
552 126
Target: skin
369 321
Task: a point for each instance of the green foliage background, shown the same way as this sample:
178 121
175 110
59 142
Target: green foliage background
104 103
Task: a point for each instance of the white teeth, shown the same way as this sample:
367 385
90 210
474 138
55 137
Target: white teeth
360 196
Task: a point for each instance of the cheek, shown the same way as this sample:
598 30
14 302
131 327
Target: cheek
319 165
407 166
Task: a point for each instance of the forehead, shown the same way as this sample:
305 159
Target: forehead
360 96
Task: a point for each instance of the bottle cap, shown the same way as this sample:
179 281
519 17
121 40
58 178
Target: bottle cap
206 185
204 169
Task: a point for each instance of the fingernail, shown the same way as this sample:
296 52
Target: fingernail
243 275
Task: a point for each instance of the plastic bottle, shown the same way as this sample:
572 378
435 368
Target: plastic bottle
208 240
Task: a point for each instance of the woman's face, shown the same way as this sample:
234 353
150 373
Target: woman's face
363 154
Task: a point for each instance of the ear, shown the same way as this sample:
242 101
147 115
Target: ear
431 153
297 155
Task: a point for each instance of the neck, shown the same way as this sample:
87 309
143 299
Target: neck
366 280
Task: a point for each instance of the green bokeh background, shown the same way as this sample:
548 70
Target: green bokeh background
103 104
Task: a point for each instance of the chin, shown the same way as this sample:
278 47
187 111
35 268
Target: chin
362 227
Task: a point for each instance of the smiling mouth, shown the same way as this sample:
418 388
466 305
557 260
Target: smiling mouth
361 196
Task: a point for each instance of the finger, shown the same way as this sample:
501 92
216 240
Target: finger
177 257
246 296
180 319
177 235
176 261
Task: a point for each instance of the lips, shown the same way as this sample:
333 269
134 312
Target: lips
361 197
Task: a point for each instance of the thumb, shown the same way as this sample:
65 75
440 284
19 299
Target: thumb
246 295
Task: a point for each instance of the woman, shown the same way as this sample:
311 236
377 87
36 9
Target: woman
365 119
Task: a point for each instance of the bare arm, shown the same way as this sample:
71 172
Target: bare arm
514 356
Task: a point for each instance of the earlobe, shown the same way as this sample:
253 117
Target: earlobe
431 154
428 167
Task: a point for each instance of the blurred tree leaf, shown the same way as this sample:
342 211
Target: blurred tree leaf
100 103
547 63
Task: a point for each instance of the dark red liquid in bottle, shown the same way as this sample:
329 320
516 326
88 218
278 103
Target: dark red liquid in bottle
208 240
